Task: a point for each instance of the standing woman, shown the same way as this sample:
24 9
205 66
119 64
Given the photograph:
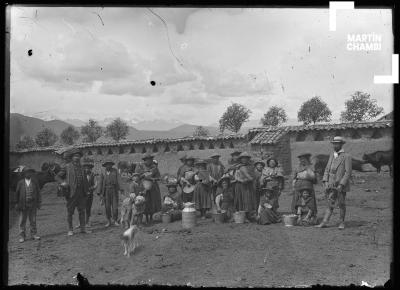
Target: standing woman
186 179
244 199
272 178
258 169
303 176
216 170
202 191
150 174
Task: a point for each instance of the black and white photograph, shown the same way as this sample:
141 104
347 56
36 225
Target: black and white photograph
200 146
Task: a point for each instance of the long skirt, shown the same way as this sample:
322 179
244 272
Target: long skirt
228 207
268 216
244 199
202 196
153 199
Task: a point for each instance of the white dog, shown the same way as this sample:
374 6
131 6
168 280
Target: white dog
129 240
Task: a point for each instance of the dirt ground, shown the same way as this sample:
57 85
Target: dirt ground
232 255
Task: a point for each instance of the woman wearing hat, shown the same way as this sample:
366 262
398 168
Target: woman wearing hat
150 174
304 175
224 199
109 188
202 190
216 170
244 199
172 202
272 178
267 211
28 202
259 165
186 179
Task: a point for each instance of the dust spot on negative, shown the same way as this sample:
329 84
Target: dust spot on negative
153 83
30 52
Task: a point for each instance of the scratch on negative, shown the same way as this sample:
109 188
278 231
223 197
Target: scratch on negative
99 17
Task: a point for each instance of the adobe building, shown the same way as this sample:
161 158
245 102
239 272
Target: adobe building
284 143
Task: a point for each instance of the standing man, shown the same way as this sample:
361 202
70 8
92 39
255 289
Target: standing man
216 171
109 187
78 188
336 176
92 186
28 201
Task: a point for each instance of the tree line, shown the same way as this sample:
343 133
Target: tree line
359 107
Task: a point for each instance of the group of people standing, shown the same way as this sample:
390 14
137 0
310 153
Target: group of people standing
245 185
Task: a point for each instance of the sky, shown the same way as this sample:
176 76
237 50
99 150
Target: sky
94 62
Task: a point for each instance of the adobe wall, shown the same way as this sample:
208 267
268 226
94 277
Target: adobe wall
33 159
356 147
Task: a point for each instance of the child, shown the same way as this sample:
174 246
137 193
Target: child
136 186
202 191
306 210
28 201
267 213
172 202
224 199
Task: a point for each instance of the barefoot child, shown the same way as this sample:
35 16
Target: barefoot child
306 209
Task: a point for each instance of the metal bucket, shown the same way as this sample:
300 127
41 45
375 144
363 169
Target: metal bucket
166 218
188 219
289 220
239 217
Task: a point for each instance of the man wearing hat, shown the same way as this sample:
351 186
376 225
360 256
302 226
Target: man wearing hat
28 201
303 174
108 190
337 175
216 170
78 188
149 172
88 166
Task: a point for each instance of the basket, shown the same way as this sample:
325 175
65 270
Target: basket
239 217
219 217
289 220
166 218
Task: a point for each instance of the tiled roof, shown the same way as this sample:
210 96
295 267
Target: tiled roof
61 149
340 126
269 136
37 149
386 117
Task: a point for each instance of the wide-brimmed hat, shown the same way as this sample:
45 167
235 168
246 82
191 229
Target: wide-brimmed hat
244 154
88 164
74 151
305 155
338 139
267 190
189 157
108 162
147 156
236 152
26 170
200 161
172 183
224 177
259 161
215 155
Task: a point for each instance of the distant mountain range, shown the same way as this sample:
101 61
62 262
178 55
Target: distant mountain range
21 125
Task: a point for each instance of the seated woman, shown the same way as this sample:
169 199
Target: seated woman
306 210
172 202
267 212
224 198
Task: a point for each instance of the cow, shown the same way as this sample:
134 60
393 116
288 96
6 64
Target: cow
321 160
379 158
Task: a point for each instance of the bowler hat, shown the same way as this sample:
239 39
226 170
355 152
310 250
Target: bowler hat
244 154
108 162
172 184
147 156
189 157
236 152
200 161
259 161
28 170
305 155
75 151
215 155
338 139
